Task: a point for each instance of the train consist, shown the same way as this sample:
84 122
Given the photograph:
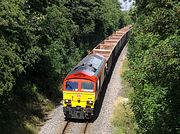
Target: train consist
83 84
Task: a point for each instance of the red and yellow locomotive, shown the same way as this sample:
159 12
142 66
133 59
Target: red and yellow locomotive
82 85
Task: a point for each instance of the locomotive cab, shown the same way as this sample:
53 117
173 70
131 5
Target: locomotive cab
79 98
80 88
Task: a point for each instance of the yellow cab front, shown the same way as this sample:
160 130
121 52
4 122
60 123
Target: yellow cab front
78 98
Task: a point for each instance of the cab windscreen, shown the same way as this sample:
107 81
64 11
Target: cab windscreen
72 86
87 86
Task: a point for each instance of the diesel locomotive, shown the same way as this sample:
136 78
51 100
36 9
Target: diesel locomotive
83 84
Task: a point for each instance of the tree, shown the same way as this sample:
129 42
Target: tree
18 50
154 67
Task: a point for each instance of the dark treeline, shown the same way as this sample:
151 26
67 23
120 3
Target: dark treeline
40 41
154 61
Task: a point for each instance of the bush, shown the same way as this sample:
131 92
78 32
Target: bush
154 67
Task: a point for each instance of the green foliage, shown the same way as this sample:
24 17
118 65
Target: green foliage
10 63
111 15
127 18
23 117
123 118
94 18
41 40
154 66
162 62
17 44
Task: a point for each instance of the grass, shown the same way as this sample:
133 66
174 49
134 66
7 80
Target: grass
20 116
123 120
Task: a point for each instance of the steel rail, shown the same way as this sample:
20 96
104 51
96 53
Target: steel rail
86 127
63 132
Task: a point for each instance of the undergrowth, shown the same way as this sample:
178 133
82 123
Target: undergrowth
24 116
123 120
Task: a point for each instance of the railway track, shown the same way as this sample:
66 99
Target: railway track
74 127
85 127
64 129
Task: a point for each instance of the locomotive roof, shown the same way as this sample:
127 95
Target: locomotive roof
90 65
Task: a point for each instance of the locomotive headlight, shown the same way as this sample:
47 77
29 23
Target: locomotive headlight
67 101
89 102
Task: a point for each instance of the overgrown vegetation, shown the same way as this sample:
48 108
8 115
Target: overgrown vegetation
154 61
40 41
123 119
